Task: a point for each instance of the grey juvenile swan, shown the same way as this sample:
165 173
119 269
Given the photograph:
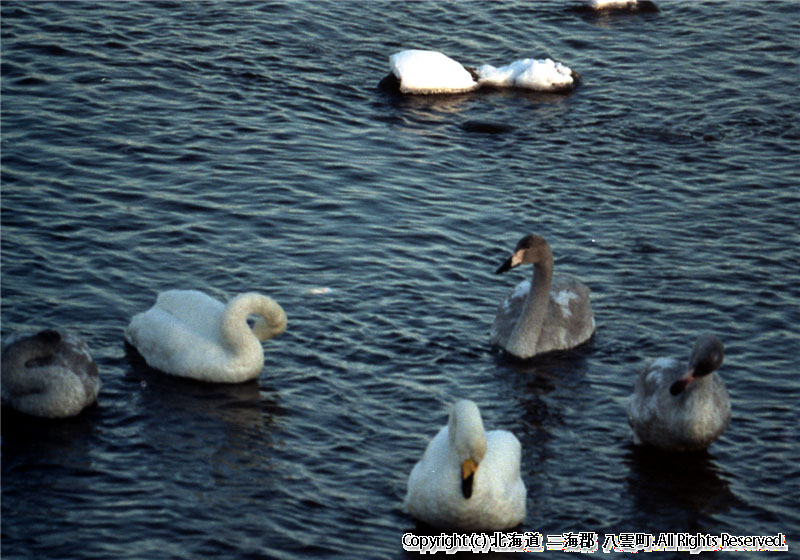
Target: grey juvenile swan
681 408
49 374
545 313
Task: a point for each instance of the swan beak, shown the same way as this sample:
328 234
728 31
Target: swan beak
681 384
511 262
468 469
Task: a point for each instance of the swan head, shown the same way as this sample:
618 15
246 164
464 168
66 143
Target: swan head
706 358
531 249
32 350
468 439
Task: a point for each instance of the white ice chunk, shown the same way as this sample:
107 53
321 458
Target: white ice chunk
540 75
422 71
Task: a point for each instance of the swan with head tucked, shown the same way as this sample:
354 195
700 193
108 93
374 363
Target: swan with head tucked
50 374
545 313
681 408
468 479
431 72
189 334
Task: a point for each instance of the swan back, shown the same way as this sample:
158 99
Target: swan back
681 407
189 334
50 374
459 451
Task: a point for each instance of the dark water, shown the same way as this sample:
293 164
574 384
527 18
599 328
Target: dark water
231 147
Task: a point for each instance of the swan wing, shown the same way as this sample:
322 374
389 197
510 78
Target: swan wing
505 493
434 486
570 320
180 334
508 313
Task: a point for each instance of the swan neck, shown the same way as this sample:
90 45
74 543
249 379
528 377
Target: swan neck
529 325
236 333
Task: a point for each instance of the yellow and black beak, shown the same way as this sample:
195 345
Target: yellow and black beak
468 469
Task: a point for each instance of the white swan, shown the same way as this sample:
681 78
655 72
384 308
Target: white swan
681 408
425 72
468 479
189 334
545 313
49 374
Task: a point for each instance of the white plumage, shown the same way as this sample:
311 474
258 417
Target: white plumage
468 479
545 313
189 334
681 408
50 374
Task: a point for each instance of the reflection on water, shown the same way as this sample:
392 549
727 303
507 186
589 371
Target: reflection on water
687 488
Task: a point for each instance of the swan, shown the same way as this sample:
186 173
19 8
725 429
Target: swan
416 71
49 374
190 334
543 314
681 408
468 479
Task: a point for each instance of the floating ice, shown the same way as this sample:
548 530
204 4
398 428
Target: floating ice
422 71
529 73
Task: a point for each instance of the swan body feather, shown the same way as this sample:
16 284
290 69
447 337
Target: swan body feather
435 487
50 374
190 334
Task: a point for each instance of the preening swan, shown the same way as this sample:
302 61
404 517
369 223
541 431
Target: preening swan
468 479
546 313
49 374
425 72
681 408
189 334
